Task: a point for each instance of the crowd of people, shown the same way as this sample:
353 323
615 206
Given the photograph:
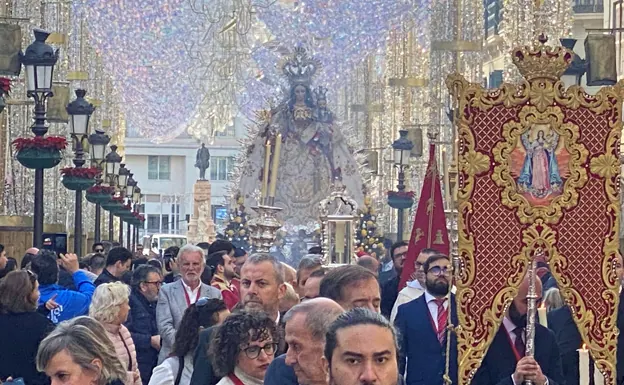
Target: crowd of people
212 314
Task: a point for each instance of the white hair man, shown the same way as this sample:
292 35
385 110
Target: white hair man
176 297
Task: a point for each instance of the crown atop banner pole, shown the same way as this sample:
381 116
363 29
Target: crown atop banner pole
540 61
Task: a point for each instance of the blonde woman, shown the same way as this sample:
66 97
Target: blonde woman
110 306
79 352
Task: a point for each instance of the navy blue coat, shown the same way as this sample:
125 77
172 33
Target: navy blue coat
142 326
500 361
426 357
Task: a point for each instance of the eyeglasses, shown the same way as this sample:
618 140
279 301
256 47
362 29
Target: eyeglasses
252 352
437 270
157 283
99 250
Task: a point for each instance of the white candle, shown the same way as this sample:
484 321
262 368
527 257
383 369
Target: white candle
583 366
275 166
598 377
541 313
265 171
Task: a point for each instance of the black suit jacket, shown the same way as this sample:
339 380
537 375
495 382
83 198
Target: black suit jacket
569 341
500 361
389 294
202 366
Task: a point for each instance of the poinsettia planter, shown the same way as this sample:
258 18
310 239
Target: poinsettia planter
77 183
99 194
113 206
35 158
40 152
402 200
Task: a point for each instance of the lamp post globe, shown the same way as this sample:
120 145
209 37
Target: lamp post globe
113 161
130 186
39 60
79 111
98 142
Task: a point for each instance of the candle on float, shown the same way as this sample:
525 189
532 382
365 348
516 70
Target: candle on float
541 313
265 171
275 166
598 376
583 365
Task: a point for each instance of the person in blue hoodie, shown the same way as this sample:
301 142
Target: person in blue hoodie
70 303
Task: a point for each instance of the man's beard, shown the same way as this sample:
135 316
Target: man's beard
520 320
439 286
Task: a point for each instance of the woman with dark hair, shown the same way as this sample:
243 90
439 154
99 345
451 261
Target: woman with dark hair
178 368
21 328
243 348
10 266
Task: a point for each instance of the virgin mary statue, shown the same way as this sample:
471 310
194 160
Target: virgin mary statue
314 152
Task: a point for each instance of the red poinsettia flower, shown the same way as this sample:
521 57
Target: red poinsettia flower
118 199
100 190
80 172
5 85
48 142
401 194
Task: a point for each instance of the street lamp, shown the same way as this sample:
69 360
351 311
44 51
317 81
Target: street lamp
39 60
574 73
79 112
402 150
112 160
137 201
130 185
98 142
122 182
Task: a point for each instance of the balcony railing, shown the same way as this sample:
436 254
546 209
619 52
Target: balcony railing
588 6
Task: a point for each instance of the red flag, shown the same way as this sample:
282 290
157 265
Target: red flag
429 231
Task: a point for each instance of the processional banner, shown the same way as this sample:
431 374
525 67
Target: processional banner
538 177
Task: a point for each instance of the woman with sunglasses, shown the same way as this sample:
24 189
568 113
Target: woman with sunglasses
22 328
178 368
243 348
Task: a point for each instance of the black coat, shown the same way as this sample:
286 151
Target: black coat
20 336
142 326
500 361
389 294
569 340
202 366
105 277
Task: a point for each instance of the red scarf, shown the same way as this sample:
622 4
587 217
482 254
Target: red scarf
235 379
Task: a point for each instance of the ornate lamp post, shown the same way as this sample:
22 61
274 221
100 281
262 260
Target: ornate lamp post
122 182
137 201
113 161
402 151
79 112
98 142
39 61
130 185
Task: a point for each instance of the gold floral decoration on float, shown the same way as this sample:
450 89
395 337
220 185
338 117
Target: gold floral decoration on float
540 99
531 119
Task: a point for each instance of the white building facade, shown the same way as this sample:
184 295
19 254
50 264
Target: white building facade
166 173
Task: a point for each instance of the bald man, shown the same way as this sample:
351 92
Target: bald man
306 326
505 362
370 263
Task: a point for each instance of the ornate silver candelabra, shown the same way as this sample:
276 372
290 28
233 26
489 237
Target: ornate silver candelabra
263 227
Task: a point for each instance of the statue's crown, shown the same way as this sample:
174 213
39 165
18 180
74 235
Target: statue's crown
320 93
539 61
299 67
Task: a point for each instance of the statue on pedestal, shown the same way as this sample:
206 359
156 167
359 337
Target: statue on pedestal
202 161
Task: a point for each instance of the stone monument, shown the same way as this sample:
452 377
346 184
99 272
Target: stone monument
201 225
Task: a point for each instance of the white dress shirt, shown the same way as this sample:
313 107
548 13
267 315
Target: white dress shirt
433 307
192 293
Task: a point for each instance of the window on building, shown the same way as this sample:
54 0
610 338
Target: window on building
229 132
221 167
158 167
153 223
165 223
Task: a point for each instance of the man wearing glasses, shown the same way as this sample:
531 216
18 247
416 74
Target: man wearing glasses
146 283
98 248
390 286
422 326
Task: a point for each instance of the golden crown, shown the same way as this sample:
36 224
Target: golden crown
539 61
